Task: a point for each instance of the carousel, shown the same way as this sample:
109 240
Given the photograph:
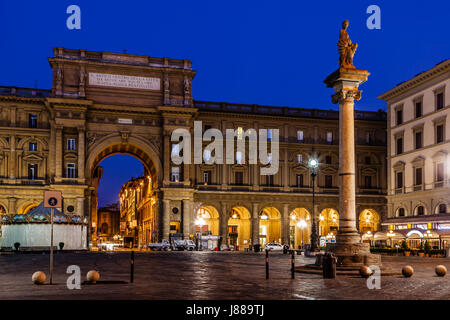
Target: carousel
32 230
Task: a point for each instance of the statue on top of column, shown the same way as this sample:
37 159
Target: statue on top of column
346 48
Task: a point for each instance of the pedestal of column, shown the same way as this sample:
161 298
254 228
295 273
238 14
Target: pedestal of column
349 249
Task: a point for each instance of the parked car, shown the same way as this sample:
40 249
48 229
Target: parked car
181 245
164 245
273 246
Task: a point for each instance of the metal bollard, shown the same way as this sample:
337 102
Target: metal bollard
132 267
267 264
292 265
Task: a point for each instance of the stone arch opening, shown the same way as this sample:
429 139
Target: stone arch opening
148 154
329 223
239 223
369 221
269 225
210 216
299 227
27 207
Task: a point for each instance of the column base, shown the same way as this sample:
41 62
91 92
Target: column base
350 252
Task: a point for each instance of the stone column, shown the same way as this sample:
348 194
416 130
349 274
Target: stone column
286 170
165 226
223 223
80 207
348 248
255 224
81 154
166 158
285 225
12 157
58 151
12 205
187 218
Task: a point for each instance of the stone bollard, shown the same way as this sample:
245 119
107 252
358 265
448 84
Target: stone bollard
38 277
93 276
365 271
440 270
407 271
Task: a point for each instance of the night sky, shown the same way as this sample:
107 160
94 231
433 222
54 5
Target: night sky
257 52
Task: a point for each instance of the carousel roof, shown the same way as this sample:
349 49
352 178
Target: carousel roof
41 214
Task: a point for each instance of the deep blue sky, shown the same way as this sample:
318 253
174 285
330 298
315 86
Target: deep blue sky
258 52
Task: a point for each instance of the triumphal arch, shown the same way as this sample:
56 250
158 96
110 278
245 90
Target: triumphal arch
102 104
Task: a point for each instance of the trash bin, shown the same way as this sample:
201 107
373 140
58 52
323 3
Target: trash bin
257 247
329 266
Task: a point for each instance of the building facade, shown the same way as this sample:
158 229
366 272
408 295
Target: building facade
108 222
418 157
103 104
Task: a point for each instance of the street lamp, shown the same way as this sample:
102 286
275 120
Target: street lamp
199 222
313 164
301 224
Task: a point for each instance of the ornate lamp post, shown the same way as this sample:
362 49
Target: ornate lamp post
313 164
199 222
302 224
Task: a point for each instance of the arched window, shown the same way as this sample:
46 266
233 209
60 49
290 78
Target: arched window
420 211
442 208
104 227
401 212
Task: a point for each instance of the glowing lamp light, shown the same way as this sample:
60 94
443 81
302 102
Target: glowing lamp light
293 217
313 163
200 221
321 218
301 224
264 217
234 216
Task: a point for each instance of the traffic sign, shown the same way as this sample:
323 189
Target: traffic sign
52 199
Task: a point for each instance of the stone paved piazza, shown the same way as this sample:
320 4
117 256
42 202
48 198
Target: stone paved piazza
210 275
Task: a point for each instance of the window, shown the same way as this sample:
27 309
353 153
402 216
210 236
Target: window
269 180
71 144
207 155
399 118
399 182
269 156
328 181
207 177
239 158
239 177
401 212
300 135
207 127
439 100
32 171
418 106
367 160
418 139
367 182
299 158
329 137
442 208
299 181
399 145
440 172
328 159
439 133
240 133
175 149
70 170
420 210
269 134
368 138
418 176
32 120
32 146
175 176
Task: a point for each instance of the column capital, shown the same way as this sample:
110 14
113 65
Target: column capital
348 96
